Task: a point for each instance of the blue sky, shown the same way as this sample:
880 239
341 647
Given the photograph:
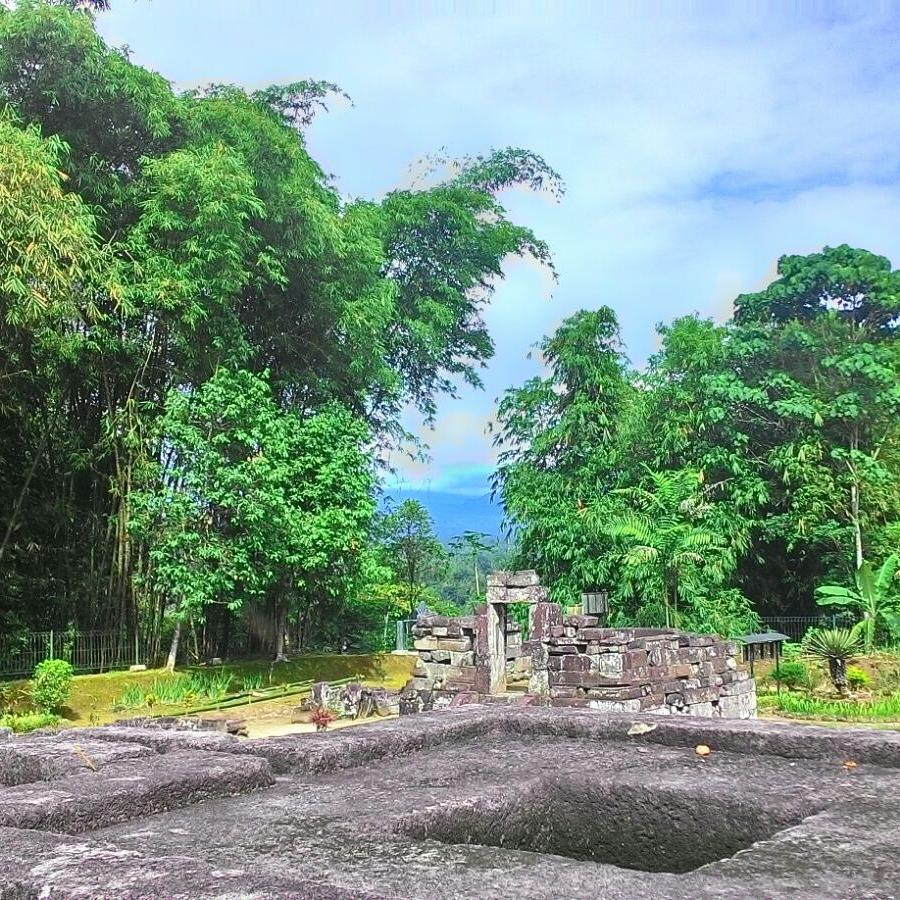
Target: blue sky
698 142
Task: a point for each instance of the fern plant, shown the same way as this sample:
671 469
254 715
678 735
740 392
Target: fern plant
670 547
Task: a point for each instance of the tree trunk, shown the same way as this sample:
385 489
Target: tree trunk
279 636
857 530
854 501
837 669
173 648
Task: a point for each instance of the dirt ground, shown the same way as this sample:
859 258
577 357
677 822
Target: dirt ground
273 718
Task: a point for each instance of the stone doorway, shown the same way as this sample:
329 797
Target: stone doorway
498 659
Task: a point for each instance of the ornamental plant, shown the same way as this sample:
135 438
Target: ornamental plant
836 647
51 684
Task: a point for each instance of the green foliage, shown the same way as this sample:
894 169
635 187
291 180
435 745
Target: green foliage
179 690
886 709
204 342
24 722
858 678
792 673
262 506
51 684
410 549
835 647
875 600
750 462
674 554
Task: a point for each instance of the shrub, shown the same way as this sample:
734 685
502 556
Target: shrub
835 647
51 684
857 678
22 722
792 674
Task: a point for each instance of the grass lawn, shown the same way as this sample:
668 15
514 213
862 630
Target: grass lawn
94 696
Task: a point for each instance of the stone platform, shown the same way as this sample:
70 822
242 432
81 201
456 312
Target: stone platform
472 802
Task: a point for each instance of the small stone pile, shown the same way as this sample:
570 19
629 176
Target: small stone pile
633 669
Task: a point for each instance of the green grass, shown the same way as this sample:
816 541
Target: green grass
801 706
96 699
179 690
22 722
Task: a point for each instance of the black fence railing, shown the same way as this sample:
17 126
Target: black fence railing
795 627
87 651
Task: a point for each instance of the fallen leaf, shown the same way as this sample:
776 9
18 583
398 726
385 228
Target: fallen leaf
850 764
640 728
702 750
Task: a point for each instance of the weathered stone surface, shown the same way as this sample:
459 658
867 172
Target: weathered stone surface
456 645
524 578
647 797
26 759
37 864
128 789
543 617
161 740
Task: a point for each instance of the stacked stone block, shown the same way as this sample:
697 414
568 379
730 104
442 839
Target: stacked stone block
640 669
573 661
446 648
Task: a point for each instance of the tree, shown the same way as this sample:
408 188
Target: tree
259 507
411 547
561 441
152 240
818 347
875 600
672 548
471 543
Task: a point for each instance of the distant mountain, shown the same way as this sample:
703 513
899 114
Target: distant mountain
455 513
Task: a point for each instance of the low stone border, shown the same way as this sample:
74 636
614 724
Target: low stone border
129 789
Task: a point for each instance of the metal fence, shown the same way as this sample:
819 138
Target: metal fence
795 627
87 651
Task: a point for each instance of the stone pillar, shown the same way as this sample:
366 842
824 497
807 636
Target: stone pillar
496 646
542 617
539 680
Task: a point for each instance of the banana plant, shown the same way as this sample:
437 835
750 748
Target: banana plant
874 600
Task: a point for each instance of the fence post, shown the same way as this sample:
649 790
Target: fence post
51 645
401 636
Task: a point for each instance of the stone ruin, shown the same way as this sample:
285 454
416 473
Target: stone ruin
352 701
486 801
571 661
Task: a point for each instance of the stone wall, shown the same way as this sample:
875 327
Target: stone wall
634 669
446 649
572 661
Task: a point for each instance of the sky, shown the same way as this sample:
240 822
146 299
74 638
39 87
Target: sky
698 143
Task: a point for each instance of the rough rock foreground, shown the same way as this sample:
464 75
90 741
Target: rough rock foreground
480 801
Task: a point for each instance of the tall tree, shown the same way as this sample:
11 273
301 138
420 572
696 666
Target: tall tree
560 446
411 547
192 234
261 508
